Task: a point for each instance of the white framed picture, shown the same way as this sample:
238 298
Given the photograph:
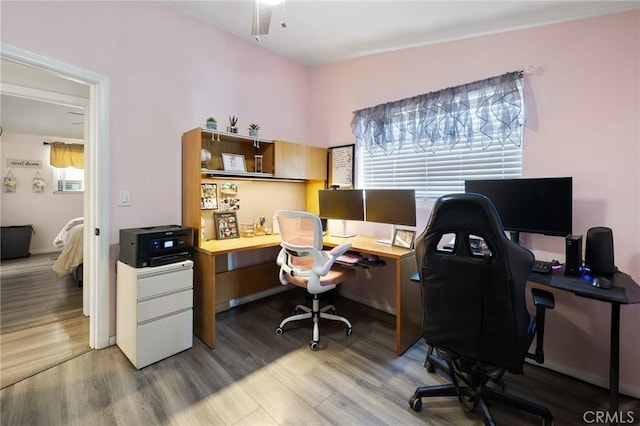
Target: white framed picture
233 163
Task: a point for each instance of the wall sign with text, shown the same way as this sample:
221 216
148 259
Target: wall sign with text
31 164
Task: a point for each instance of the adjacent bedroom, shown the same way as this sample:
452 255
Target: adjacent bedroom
42 300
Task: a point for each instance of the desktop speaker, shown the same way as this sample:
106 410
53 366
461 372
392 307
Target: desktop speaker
598 254
573 259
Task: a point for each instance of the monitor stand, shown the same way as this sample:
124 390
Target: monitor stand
515 236
389 241
344 231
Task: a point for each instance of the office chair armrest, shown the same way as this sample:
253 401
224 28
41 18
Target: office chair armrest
542 300
339 250
333 255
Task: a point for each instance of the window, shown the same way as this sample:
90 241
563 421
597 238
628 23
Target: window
433 174
68 179
434 142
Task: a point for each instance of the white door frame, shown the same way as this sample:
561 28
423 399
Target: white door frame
96 207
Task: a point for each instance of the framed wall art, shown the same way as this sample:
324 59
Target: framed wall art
226 225
341 166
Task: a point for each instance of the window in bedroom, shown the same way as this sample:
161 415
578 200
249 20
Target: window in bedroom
68 179
434 142
68 166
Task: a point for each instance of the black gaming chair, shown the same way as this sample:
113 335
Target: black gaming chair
475 314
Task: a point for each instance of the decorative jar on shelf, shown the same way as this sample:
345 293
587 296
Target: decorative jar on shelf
205 157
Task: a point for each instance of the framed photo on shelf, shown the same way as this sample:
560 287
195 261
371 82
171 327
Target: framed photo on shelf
226 225
208 196
233 163
403 238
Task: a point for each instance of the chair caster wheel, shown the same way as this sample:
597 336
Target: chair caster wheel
348 331
314 346
415 403
279 331
430 368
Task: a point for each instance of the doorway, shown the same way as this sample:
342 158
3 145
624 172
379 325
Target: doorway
96 229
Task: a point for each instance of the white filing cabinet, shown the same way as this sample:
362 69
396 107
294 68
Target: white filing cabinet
154 311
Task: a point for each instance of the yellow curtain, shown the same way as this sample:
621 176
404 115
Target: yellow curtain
67 154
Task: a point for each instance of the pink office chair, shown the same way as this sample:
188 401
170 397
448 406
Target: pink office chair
303 263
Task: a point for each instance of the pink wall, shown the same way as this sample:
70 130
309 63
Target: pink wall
169 71
584 123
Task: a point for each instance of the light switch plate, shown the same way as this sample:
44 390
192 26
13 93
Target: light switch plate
124 198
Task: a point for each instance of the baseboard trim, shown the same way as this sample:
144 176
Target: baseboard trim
593 379
368 303
260 295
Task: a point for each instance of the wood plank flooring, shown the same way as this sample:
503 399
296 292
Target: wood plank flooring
255 377
41 320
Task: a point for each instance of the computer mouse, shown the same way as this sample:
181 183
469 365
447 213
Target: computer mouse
601 282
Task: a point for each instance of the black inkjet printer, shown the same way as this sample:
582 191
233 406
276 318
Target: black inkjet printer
155 245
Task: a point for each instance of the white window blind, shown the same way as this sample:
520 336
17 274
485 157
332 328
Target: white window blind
439 171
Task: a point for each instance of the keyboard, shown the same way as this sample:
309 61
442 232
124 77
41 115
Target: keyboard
541 267
349 258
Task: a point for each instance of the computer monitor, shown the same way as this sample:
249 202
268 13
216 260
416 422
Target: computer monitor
532 205
341 204
392 206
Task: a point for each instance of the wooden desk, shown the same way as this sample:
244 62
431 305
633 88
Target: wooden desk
408 295
210 276
212 281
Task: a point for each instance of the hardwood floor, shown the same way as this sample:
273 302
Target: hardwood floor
255 377
41 320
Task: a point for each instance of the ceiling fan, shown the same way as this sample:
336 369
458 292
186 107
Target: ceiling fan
262 11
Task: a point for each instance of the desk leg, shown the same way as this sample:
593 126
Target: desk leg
614 360
408 305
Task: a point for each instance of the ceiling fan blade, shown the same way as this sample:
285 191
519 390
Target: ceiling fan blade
261 18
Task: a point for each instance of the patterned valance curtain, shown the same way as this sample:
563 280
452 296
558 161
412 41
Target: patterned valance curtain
66 154
486 112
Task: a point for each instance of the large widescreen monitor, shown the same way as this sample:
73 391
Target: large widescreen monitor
532 205
393 206
341 204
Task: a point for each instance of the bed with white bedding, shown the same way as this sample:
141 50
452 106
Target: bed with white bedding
69 239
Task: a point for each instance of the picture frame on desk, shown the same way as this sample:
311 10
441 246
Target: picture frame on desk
234 163
226 225
403 238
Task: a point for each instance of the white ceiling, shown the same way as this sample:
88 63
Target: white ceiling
29 114
328 31
318 32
